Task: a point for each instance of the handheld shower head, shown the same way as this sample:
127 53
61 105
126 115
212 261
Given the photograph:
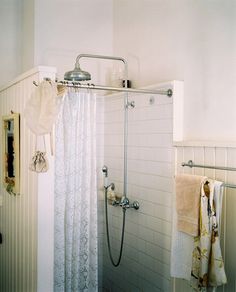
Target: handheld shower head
105 170
77 74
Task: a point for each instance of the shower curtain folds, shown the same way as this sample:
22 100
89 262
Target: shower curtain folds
75 227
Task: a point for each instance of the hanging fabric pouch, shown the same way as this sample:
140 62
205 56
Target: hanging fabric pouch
39 162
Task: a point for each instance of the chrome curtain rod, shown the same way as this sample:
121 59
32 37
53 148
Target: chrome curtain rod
167 92
191 164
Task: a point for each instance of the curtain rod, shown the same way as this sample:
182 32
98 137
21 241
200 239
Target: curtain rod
167 92
191 164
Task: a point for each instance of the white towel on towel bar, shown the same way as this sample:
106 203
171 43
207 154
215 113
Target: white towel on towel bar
181 252
218 198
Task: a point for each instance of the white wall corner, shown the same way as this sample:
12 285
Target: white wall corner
45 251
178 111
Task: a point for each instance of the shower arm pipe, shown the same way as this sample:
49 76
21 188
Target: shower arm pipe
104 57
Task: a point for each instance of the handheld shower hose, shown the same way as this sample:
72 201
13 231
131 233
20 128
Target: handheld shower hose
115 264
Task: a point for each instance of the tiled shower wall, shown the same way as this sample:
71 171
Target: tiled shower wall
145 265
214 155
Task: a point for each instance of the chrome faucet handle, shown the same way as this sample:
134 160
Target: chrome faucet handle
116 203
124 202
135 205
126 205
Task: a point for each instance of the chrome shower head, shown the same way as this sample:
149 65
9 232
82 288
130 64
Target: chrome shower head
77 74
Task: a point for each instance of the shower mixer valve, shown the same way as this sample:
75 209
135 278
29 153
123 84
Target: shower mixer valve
125 204
124 201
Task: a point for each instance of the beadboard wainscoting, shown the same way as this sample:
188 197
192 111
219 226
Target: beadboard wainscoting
215 154
19 215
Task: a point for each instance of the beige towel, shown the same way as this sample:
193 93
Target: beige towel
188 191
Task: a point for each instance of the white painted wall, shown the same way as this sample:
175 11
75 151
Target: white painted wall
10 47
194 41
66 28
27 34
53 33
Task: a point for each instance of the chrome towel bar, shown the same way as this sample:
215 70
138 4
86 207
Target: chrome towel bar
192 164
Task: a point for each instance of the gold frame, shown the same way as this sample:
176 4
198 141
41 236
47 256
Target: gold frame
11 184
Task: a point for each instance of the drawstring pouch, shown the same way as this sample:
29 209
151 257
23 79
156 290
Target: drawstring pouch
39 161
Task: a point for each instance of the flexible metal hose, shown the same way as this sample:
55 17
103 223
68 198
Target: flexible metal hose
115 264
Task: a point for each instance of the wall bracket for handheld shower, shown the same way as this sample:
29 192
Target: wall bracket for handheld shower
105 170
130 104
107 185
111 185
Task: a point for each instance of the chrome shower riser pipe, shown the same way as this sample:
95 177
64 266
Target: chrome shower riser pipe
125 105
126 108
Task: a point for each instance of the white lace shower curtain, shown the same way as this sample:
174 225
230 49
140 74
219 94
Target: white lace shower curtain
75 247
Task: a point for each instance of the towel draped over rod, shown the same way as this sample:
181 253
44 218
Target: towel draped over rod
191 164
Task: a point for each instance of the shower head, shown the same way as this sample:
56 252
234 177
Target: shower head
77 74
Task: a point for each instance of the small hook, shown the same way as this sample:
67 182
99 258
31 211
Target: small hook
130 104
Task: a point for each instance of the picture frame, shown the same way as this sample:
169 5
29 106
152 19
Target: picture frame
11 153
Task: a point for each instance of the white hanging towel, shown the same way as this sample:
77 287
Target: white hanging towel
218 199
181 252
42 108
41 112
